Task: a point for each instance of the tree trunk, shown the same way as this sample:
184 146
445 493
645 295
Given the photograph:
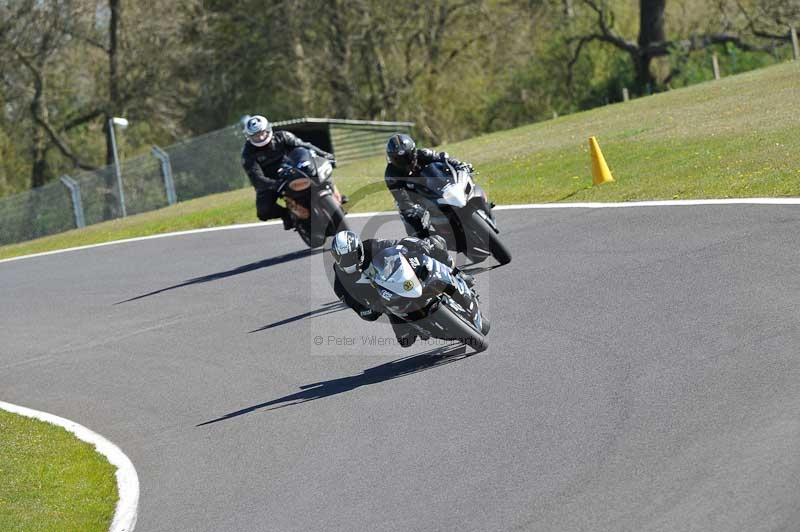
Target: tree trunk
341 50
113 72
381 99
296 12
39 171
110 209
651 30
39 144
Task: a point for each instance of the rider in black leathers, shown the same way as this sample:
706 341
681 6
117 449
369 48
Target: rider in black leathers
405 161
262 156
352 256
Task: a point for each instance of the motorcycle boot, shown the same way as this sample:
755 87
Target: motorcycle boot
288 223
407 340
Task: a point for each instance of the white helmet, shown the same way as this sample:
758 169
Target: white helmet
347 251
258 130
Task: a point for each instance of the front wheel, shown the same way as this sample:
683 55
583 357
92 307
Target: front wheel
311 239
334 213
496 247
455 328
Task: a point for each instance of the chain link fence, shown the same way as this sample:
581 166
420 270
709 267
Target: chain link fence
197 167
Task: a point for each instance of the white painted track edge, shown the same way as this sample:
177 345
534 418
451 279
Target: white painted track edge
627 204
127 480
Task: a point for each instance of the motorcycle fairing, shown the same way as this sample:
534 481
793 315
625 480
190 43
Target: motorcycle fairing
392 271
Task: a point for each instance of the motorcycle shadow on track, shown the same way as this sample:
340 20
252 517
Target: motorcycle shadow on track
266 263
401 367
476 270
327 308
336 306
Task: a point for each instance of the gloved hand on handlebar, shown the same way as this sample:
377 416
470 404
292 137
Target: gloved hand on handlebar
415 211
418 219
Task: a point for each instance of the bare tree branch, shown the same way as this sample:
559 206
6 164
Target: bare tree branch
82 119
88 40
700 42
606 32
62 145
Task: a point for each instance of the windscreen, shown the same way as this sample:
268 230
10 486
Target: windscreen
385 265
390 270
300 159
437 175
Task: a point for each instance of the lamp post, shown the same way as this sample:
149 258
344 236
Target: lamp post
122 123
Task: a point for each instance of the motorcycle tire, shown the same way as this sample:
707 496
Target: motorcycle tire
498 249
456 328
335 214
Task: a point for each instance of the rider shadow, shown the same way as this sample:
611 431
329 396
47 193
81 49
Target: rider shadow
478 269
266 263
327 308
391 370
473 268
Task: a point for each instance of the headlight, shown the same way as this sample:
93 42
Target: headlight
299 185
453 195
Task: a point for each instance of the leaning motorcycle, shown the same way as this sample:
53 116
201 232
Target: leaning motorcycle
428 297
460 211
313 201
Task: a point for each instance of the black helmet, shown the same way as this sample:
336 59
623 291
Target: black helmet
347 251
401 151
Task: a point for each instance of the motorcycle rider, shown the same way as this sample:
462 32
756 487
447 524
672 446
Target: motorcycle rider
404 163
351 258
262 156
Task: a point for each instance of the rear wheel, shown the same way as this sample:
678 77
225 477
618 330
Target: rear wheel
497 248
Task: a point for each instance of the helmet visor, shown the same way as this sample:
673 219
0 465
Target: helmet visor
402 159
262 137
349 262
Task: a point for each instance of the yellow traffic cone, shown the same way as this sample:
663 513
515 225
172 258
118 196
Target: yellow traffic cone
600 172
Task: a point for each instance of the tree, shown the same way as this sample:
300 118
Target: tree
32 37
652 39
77 63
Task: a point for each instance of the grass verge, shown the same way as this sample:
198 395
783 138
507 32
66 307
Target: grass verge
731 138
50 480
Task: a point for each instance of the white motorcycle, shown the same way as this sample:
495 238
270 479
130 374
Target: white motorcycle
459 211
428 297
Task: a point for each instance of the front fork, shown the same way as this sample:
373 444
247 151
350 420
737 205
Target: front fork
337 194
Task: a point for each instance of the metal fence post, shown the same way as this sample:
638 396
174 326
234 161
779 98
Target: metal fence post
77 205
166 172
715 65
120 190
795 45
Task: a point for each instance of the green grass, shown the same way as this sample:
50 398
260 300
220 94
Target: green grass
737 137
49 480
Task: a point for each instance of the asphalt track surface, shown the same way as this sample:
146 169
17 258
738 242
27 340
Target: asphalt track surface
643 374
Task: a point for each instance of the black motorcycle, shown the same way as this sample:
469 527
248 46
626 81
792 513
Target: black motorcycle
460 212
425 294
313 200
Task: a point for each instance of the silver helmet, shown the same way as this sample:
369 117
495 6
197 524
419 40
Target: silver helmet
258 130
347 251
